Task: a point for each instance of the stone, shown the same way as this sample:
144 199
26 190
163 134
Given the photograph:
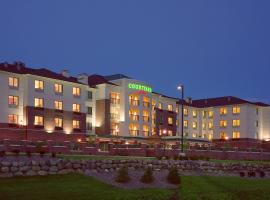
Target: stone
30 173
14 169
18 173
53 169
35 168
63 171
6 164
42 173
34 162
24 168
76 165
6 175
4 169
15 164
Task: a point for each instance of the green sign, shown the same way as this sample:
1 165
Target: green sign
139 87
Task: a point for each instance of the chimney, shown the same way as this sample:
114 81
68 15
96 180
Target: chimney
189 100
19 65
65 73
83 78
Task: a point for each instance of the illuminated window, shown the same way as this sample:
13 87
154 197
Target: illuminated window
170 133
153 104
134 114
194 125
76 91
39 121
146 102
58 105
145 130
223 123
236 109
185 111
114 128
185 123
13 82
58 88
177 109
76 107
204 125
134 129
194 113
39 103
134 100
58 122
194 135
236 134
210 125
210 136
223 135
39 85
160 105
146 117
75 124
115 98
13 119
236 122
170 120
204 112
210 113
13 100
170 107
223 111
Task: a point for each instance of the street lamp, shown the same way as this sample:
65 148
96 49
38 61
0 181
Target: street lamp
181 88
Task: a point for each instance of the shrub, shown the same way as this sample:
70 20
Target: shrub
251 174
242 174
122 175
173 176
262 174
147 176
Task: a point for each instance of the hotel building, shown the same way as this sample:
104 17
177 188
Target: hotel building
58 106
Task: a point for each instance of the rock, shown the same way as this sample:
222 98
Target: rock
24 168
53 169
63 171
14 169
6 175
15 164
42 173
6 164
4 169
30 173
34 162
35 168
18 173
76 165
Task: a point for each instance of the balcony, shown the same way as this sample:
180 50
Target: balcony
133 102
146 118
134 132
114 116
134 117
114 101
146 133
146 104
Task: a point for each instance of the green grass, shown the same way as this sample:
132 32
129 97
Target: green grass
94 157
256 162
224 188
71 187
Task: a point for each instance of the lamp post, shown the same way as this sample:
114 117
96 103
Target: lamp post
181 88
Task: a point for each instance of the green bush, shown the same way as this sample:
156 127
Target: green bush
122 175
173 176
147 176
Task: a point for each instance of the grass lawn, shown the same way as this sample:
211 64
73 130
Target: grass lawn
94 157
257 162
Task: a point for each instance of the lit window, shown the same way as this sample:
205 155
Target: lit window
210 113
194 113
236 122
39 103
115 98
210 136
204 125
204 112
146 102
75 124
58 122
236 134
13 119
160 105
58 88
194 135
170 120
223 111
223 123
236 109
39 85
185 111
177 109
210 125
76 107
185 123
39 121
13 82
58 105
76 91
13 100
194 125
170 107
223 135
170 133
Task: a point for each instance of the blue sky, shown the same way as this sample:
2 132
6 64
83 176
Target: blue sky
214 47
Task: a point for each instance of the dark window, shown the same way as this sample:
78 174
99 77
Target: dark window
89 110
89 95
89 126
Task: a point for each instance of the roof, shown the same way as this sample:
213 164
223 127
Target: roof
116 76
20 68
96 79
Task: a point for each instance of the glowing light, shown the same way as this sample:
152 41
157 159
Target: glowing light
49 131
267 140
127 142
226 138
179 87
140 87
79 139
164 131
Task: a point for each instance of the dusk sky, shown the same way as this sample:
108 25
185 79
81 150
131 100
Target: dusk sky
214 47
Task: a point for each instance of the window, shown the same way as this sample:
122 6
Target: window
204 113
39 85
185 111
76 91
210 136
194 113
210 125
185 123
170 133
39 103
13 119
146 102
75 124
223 123
76 107
13 82
58 105
13 100
170 107
115 98
236 110
170 120
257 111
223 135
194 125
177 109
89 126
223 111
89 95
38 121
160 105
58 88
58 122
210 113
236 122
89 110
236 134
194 135
257 123
203 125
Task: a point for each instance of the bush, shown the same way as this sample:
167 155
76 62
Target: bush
147 176
251 174
173 176
262 174
122 175
242 174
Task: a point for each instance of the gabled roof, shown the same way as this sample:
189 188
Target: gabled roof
96 79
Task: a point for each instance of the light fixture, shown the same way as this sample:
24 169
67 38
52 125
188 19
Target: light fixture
179 87
226 138
79 139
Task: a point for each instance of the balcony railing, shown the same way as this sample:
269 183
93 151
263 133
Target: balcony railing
134 132
115 101
134 117
146 118
134 102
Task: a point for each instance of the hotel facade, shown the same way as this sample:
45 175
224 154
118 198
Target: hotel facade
37 104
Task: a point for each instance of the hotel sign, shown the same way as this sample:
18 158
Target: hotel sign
140 87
